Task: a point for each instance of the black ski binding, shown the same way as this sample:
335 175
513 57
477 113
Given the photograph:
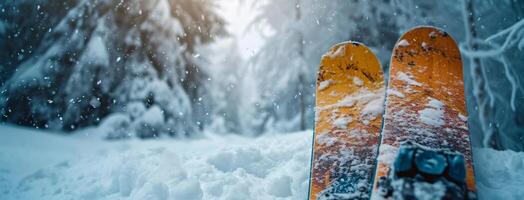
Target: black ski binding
419 172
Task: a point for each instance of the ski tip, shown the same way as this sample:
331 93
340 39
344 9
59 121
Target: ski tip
348 50
424 32
419 42
334 50
349 59
355 43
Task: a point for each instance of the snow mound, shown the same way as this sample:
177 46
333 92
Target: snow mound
499 174
36 165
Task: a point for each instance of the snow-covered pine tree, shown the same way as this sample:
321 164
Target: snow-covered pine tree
226 92
131 64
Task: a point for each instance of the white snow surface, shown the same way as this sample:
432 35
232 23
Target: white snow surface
39 165
499 174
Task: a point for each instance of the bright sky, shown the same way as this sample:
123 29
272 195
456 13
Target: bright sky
238 15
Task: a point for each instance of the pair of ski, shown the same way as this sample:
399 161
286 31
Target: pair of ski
419 148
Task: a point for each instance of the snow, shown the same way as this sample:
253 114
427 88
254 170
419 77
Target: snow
425 46
433 114
429 191
357 81
362 96
115 126
435 103
337 53
387 154
373 108
342 122
39 165
371 101
407 78
432 34
463 118
324 84
326 139
153 115
396 93
499 174
403 43
96 52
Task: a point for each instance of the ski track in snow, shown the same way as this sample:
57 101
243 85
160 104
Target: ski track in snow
38 165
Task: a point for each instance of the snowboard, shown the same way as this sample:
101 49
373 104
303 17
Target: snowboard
348 117
425 150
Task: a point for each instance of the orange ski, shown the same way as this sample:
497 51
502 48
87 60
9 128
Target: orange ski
425 148
349 107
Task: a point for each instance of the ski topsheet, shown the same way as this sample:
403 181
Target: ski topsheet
349 106
425 150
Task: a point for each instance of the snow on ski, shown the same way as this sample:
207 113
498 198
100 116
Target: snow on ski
349 107
425 150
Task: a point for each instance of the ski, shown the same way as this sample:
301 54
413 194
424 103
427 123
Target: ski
348 118
425 150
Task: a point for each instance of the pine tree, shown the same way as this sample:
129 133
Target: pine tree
136 60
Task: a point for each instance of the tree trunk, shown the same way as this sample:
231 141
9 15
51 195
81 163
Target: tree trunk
301 81
479 83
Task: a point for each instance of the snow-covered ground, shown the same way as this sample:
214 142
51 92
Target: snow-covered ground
500 174
37 165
